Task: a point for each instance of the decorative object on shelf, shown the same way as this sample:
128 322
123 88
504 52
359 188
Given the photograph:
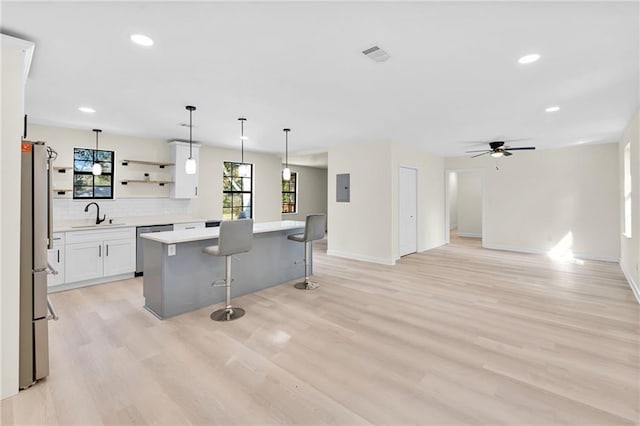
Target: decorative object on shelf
160 164
190 164
286 172
243 169
97 168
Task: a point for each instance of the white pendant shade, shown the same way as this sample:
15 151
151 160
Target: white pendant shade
190 166
96 169
286 173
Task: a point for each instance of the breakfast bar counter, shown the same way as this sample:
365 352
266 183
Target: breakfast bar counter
178 275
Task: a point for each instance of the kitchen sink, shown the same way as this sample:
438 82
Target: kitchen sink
102 225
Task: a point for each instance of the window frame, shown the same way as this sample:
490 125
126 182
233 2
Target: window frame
294 176
231 193
89 173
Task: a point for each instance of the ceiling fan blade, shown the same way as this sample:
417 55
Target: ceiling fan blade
478 155
506 153
521 148
478 150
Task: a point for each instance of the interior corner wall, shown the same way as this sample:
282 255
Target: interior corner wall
11 116
630 247
311 192
267 183
453 200
359 229
431 196
469 208
538 199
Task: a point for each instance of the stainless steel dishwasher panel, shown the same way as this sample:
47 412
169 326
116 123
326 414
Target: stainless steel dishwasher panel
144 230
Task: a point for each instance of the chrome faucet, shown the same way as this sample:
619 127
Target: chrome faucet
98 220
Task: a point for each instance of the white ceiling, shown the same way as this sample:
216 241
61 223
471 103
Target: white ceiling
453 74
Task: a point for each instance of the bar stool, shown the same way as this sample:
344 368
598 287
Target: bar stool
236 236
314 229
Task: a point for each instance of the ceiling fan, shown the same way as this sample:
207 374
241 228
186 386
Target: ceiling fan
499 149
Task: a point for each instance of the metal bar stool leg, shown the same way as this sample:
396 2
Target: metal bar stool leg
307 284
228 313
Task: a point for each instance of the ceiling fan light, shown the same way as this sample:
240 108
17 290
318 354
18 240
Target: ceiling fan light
286 174
497 154
96 169
190 166
529 59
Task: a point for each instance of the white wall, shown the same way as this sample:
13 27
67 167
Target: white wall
312 192
267 189
208 205
361 228
630 247
453 200
11 114
539 198
469 207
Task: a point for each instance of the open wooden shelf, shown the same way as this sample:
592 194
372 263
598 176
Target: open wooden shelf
158 182
162 165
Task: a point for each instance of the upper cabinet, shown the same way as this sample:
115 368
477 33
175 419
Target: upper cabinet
185 186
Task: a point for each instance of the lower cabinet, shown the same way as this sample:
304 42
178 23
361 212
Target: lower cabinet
55 257
97 254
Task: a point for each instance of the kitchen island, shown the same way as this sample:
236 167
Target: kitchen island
178 275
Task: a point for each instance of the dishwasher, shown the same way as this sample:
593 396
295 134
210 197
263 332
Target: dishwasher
145 230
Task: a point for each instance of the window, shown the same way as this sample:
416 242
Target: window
289 194
627 191
85 184
237 191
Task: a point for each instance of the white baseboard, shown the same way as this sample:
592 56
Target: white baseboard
86 283
364 258
634 286
538 251
469 234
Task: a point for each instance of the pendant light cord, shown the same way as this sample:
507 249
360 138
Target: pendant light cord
190 132
286 147
242 140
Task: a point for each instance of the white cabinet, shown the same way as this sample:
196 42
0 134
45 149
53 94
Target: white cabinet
55 257
99 253
84 261
189 225
185 186
119 257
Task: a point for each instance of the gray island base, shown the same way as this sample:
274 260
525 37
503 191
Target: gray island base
178 276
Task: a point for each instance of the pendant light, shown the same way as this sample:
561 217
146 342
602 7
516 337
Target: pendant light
286 172
97 168
243 169
190 164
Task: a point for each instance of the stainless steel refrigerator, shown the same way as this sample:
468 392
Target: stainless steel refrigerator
35 239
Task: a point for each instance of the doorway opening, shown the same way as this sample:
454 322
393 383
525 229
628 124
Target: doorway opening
464 193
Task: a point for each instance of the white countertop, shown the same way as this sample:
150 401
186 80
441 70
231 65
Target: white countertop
186 235
124 222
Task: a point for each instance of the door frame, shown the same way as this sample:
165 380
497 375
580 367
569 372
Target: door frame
417 170
447 173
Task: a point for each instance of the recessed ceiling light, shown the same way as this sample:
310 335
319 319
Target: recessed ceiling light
142 40
529 59
86 109
553 109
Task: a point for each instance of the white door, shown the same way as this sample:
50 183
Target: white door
119 257
84 261
408 211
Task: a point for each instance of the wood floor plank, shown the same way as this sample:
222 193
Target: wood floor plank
455 335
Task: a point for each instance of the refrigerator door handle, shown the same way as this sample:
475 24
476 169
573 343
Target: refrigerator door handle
49 203
54 315
50 269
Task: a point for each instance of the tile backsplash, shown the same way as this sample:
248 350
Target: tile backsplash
68 209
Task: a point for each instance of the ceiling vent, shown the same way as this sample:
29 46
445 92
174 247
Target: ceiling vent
375 53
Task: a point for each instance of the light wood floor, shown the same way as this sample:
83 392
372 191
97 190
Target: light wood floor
455 335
